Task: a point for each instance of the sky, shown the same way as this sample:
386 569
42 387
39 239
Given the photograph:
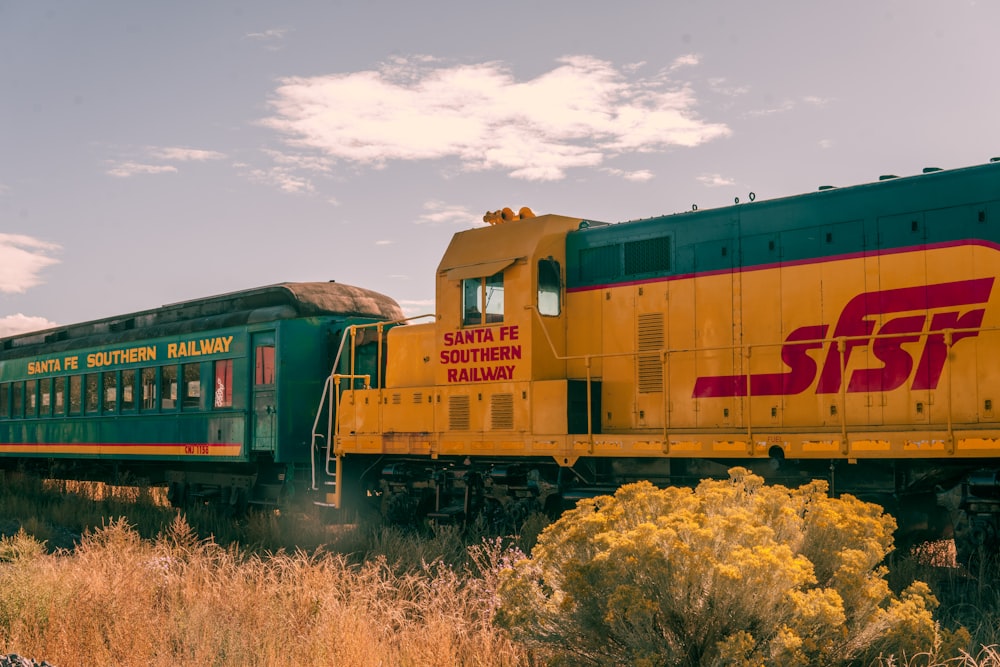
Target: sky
155 152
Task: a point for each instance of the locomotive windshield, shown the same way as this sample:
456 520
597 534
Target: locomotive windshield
482 295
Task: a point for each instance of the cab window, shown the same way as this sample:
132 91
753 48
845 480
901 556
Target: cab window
482 300
549 287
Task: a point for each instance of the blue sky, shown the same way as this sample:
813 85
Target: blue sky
153 152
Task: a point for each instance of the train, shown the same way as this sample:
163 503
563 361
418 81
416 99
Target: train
210 397
850 334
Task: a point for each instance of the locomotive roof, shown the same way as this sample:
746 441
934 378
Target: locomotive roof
261 304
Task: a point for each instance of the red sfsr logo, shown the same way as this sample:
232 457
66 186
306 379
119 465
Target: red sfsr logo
953 305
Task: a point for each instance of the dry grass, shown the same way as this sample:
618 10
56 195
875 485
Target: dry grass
119 599
80 585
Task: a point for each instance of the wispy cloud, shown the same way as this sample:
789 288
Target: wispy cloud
639 175
714 180
153 160
438 213
415 307
181 154
22 259
687 60
790 104
12 325
576 115
272 39
283 178
266 35
129 168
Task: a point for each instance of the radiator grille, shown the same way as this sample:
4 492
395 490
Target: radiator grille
458 413
649 367
502 412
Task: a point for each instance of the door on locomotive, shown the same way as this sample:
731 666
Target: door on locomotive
264 410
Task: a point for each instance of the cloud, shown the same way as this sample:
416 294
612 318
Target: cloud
181 154
298 161
575 115
271 40
18 324
268 35
639 175
438 212
788 104
284 178
687 60
384 242
417 307
714 180
127 169
816 100
22 259
161 154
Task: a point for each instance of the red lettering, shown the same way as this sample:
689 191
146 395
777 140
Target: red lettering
856 330
897 362
796 380
936 351
853 325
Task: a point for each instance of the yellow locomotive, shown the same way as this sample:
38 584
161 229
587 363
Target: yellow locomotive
851 334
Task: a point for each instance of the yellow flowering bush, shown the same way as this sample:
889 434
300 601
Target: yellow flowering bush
732 572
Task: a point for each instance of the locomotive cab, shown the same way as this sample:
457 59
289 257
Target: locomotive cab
490 369
487 379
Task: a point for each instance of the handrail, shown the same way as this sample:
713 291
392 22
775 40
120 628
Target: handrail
841 343
331 388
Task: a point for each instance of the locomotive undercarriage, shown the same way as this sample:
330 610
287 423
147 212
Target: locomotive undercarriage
929 500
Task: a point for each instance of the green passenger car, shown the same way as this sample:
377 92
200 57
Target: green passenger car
215 397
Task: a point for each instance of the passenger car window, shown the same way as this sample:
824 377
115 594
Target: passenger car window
264 365
223 384
148 388
168 387
75 394
110 382
91 392
192 386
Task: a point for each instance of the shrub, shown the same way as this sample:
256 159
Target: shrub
732 572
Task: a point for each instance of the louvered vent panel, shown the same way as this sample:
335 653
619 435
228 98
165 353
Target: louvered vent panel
650 369
502 412
397 399
418 397
647 256
458 413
